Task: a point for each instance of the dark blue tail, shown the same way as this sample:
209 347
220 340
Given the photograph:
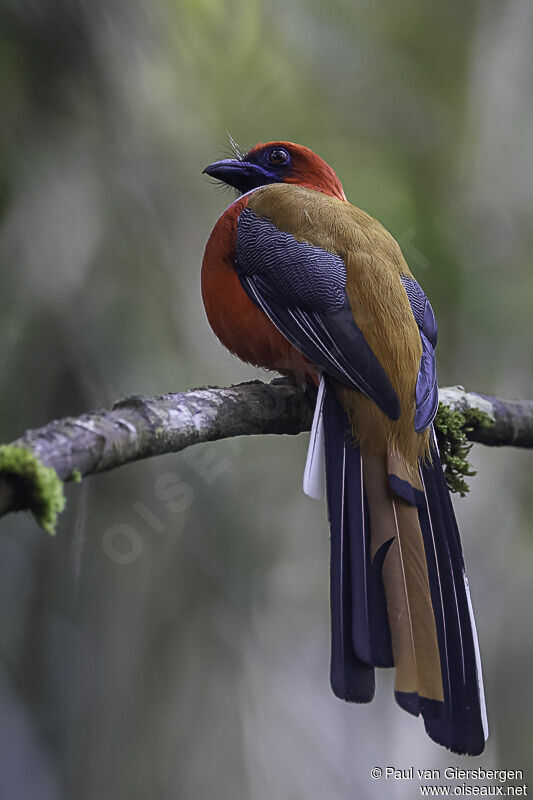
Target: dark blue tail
360 626
462 725
360 638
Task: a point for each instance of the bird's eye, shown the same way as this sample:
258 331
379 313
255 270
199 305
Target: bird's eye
278 156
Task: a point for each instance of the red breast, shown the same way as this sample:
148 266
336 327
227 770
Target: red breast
239 324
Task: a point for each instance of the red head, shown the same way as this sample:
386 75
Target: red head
278 162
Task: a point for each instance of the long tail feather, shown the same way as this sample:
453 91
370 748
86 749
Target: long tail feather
351 678
462 726
406 582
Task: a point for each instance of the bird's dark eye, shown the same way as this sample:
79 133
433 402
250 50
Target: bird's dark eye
278 156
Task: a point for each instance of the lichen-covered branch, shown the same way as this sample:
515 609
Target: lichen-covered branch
140 427
513 419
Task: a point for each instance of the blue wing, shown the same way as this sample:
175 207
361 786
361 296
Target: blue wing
302 289
427 390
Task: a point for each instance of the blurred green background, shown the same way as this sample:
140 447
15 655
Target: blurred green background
154 650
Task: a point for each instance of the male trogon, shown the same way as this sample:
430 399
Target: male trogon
296 279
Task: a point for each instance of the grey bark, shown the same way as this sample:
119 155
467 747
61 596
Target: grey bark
140 427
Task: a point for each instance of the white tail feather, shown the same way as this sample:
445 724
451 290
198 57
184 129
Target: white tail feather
478 664
315 466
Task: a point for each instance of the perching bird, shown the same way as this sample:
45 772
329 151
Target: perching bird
296 279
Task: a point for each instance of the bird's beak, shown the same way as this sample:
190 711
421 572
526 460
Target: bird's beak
242 175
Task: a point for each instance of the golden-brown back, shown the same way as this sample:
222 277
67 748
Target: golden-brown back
374 266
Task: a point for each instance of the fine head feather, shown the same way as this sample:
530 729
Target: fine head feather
276 162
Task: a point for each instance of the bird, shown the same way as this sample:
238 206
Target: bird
298 280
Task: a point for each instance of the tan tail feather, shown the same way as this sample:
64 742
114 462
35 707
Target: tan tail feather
405 578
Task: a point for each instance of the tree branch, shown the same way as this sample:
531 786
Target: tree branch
140 427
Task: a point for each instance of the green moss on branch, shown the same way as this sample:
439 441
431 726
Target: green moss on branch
40 485
451 428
